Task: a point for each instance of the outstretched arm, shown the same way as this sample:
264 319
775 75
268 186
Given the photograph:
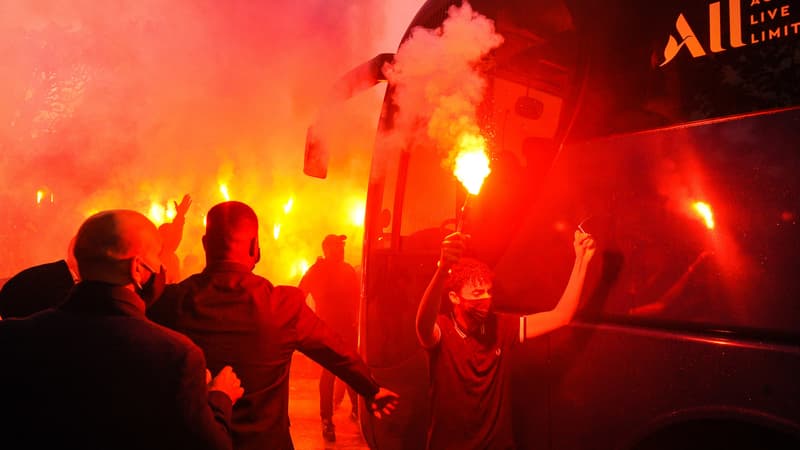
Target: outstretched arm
428 332
325 347
544 322
183 207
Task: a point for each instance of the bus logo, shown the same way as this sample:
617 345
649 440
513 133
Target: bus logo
768 20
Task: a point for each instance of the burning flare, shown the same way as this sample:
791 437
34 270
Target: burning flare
223 189
704 211
157 213
471 162
357 212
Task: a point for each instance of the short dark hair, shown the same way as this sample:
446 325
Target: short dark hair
229 225
230 218
468 270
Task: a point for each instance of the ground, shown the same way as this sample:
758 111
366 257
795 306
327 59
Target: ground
304 412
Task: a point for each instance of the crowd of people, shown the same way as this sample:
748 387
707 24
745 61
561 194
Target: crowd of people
105 349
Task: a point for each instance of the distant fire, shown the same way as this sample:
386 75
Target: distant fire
471 162
704 210
162 212
289 239
223 189
157 213
41 194
357 213
299 268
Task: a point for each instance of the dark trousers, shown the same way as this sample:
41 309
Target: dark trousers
326 395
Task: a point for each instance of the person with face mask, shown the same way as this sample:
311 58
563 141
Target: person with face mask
468 347
95 373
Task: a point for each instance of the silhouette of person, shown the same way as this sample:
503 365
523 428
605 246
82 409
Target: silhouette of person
94 373
40 287
333 284
470 373
241 319
171 235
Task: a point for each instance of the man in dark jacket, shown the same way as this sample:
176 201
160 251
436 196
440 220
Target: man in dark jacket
94 373
241 319
38 288
333 284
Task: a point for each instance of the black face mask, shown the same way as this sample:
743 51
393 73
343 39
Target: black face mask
152 289
477 310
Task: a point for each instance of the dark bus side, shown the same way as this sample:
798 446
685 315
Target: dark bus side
670 131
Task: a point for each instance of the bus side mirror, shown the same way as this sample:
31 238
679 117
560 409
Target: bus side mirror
362 77
315 160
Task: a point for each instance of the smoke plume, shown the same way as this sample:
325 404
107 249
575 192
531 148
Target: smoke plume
133 103
438 80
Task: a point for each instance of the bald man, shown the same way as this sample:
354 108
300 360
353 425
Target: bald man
241 319
95 373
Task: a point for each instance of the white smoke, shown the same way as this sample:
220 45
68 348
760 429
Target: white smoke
438 80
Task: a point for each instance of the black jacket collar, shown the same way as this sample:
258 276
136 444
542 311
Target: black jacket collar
95 297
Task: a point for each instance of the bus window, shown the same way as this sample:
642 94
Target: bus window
700 231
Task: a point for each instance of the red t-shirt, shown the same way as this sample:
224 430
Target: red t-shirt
470 386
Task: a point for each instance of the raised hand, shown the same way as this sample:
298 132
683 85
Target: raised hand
453 247
585 245
183 207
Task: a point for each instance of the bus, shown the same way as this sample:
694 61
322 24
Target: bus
670 131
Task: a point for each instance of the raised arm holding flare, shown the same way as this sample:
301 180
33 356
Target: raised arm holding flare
470 376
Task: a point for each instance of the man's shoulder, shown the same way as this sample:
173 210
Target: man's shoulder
283 293
166 338
36 322
507 319
35 273
508 327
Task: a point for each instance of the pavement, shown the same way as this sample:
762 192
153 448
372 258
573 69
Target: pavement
306 427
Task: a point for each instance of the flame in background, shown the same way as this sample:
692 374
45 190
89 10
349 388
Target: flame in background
357 212
157 213
471 165
703 209
133 104
223 189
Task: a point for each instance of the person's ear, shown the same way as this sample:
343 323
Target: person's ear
205 244
454 299
255 250
137 270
